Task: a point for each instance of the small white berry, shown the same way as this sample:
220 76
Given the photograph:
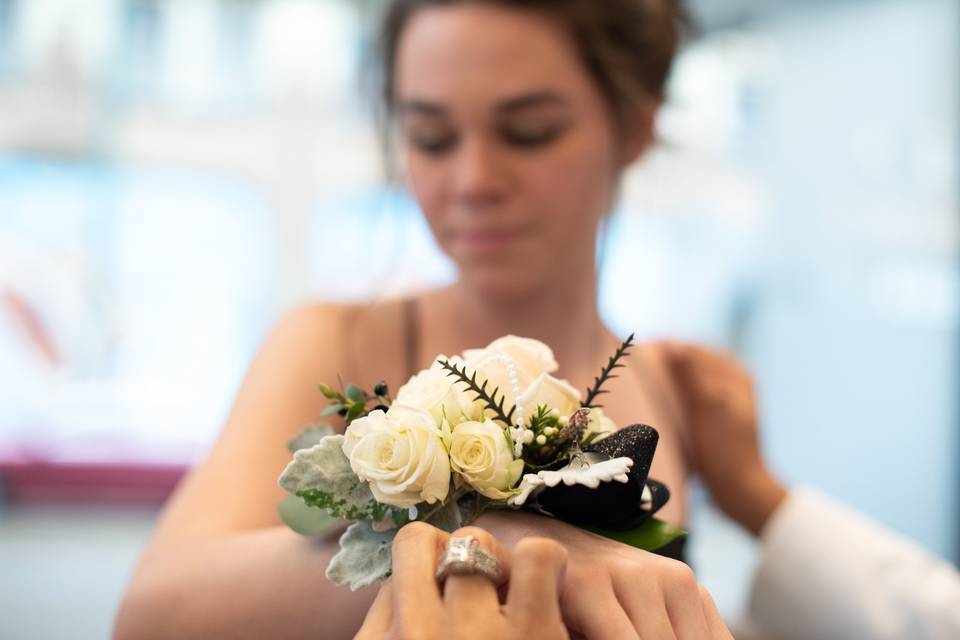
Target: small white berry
549 431
541 439
527 436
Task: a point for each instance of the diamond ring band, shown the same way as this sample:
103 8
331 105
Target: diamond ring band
464 556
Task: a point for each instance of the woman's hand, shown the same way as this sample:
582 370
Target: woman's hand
412 604
615 592
720 409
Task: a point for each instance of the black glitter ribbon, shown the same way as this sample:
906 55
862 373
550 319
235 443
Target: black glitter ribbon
613 505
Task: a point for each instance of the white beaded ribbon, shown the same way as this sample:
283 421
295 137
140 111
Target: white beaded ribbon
516 431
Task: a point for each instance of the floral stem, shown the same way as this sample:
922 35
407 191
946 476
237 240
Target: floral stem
457 494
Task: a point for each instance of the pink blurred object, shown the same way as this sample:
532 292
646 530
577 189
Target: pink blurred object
131 484
29 320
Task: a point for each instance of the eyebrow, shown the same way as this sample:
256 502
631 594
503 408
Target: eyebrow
509 105
531 100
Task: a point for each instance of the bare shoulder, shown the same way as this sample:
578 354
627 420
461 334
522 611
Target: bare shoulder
667 395
313 343
303 348
277 399
660 379
655 362
311 324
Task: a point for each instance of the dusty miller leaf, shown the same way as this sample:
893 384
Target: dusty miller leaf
364 556
309 437
322 476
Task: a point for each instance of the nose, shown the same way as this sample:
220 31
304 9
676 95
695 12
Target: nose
480 174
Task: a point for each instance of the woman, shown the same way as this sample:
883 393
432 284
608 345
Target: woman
516 120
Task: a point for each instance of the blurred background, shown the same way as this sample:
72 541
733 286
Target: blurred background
174 174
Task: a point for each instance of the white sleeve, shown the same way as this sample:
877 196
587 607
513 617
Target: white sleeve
827 572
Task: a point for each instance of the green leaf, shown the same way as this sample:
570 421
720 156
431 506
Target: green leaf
304 519
328 392
364 556
650 536
356 394
355 412
332 409
400 516
309 437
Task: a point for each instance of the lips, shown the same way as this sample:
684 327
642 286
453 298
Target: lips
487 240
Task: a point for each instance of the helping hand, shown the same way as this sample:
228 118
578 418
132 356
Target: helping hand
720 409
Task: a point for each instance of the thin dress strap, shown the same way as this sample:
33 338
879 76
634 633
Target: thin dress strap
411 336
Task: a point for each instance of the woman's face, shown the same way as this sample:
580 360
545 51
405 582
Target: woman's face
507 141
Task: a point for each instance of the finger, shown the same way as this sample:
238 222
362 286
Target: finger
684 607
416 550
716 625
475 597
380 616
537 570
596 613
644 603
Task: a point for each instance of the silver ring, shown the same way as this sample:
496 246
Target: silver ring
465 557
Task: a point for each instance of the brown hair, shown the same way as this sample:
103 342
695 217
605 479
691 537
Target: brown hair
627 46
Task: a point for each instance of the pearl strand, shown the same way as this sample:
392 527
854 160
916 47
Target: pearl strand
516 431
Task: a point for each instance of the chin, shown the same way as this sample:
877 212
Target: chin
500 280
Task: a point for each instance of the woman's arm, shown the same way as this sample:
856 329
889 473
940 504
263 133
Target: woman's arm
263 583
220 564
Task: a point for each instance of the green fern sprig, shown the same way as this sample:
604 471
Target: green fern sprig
489 399
606 373
544 417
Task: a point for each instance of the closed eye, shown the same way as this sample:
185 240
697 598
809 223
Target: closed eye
532 137
433 145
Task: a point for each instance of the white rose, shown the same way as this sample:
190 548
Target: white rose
600 424
440 394
530 359
552 392
481 453
400 453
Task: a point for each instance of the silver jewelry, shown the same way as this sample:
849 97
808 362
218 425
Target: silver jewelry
464 556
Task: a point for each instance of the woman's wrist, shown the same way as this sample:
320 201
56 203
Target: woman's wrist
510 528
755 500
